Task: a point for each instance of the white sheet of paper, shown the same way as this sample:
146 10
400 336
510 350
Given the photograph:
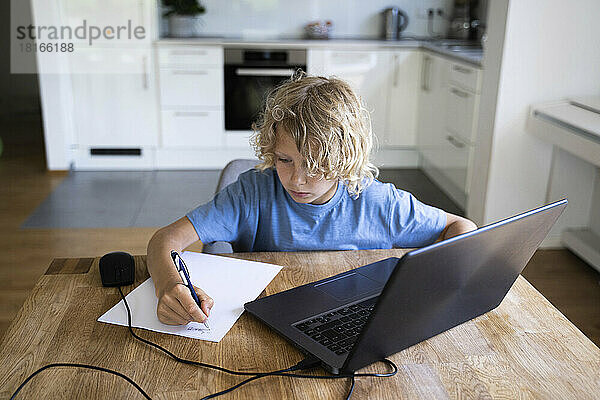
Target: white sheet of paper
230 282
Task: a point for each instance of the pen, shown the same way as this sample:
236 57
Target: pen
185 277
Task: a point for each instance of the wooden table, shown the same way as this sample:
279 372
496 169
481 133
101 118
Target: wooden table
523 349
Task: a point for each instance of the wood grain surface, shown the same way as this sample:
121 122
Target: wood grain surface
523 349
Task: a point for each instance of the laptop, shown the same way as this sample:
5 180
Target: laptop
361 316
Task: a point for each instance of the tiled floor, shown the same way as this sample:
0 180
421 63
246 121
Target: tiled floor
416 182
87 199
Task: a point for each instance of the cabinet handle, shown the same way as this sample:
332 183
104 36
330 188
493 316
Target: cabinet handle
462 70
396 70
287 72
354 55
454 142
187 53
145 82
190 72
459 93
425 71
191 114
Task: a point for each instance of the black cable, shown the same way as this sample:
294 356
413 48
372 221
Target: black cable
128 379
341 376
232 388
302 365
305 364
177 358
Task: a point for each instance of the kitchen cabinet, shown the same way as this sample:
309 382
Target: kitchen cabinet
114 110
430 125
460 113
388 83
191 96
110 13
465 76
403 83
448 109
368 72
113 85
191 86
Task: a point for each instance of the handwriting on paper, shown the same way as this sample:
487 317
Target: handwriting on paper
193 327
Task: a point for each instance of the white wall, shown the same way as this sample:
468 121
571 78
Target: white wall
491 63
573 178
281 18
550 51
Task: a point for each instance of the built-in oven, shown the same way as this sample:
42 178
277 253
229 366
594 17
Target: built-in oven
250 74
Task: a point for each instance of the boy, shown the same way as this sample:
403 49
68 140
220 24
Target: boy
314 190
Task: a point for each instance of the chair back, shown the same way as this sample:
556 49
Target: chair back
232 170
230 173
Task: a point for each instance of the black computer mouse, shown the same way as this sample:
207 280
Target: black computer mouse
117 269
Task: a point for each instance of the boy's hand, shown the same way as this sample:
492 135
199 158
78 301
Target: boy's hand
177 307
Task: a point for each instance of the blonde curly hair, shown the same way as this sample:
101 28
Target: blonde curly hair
328 123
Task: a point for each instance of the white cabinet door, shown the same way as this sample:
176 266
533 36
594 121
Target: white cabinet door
466 76
117 110
191 86
366 71
120 17
454 160
192 128
190 56
401 126
192 96
447 124
432 103
460 113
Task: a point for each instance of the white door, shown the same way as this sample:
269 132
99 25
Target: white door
366 71
117 110
401 126
431 133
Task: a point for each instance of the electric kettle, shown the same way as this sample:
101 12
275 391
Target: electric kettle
394 21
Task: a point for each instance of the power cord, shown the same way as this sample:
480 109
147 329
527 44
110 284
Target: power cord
56 365
305 364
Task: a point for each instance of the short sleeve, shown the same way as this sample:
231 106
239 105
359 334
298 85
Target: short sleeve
412 223
222 218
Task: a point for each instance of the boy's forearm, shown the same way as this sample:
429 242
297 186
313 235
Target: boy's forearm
159 262
176 236
458 227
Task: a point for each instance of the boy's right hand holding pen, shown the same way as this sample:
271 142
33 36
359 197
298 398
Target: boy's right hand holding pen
177 307
176 303
180 302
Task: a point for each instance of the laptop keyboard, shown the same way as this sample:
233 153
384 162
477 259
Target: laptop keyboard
338 329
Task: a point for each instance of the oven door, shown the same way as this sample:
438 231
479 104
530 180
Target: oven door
246 89
250 74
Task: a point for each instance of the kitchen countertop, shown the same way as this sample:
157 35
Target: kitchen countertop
362 44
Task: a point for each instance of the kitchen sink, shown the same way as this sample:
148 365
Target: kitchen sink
460 46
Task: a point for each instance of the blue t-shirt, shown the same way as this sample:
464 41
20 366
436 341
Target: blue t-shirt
255 213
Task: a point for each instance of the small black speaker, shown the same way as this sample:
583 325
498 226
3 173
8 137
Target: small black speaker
117 269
